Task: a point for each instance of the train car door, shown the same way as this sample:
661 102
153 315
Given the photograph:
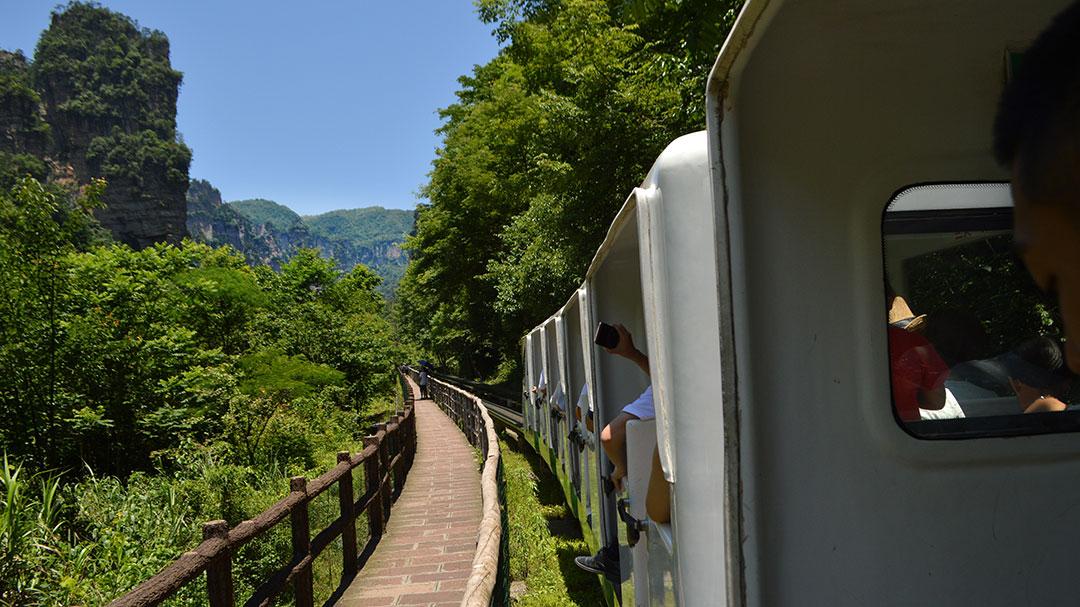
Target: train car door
536 358
820 115
569 328
528 404
591 427
544 410
615 288
556 390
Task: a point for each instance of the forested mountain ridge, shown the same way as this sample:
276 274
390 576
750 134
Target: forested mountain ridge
269 213
270 233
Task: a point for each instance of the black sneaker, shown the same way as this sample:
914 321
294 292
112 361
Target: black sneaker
605 562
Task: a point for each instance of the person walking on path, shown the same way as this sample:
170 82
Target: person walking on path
424 380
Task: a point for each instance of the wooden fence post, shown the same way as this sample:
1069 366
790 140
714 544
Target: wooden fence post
301 543
219 584
403 444
384 469
348 518
474 422
395 449
372 476
410 438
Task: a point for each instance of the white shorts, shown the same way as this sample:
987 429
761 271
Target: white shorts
642 407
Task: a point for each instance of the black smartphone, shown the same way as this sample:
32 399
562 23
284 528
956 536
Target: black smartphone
607 336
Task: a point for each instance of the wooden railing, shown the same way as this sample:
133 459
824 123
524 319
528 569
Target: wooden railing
489 582
386 457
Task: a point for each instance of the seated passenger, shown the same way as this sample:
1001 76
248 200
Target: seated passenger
950 410
957 336
917 371
918 374
583 403
613 436
613 441
558 398
540 389
1038 375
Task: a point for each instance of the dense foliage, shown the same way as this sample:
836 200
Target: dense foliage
166 386
539 152
979 299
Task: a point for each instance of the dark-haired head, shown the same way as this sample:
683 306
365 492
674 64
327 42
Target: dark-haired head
1037 136
1039 363
1037 130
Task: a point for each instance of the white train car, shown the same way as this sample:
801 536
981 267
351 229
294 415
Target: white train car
847 160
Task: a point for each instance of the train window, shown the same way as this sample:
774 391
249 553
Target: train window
974 347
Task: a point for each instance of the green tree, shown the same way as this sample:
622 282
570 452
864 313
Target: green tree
539 152
39 227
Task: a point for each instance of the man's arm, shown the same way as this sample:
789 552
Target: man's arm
625 348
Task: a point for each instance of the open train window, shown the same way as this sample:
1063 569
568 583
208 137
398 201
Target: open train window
974 347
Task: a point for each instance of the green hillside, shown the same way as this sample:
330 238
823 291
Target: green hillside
361 227
270 233
267 212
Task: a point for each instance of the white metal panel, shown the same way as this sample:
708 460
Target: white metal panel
675 223
537 339
640 442
561 398
661 579
840 506
544 411
530 380
594 458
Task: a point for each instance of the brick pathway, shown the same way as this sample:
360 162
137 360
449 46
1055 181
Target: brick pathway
426 555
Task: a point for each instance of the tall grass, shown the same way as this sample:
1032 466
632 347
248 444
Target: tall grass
544 561
30 523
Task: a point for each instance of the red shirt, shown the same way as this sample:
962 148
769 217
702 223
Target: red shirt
916 368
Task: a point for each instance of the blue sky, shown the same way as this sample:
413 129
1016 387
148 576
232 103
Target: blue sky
318 105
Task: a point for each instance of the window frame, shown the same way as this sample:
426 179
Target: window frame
964 219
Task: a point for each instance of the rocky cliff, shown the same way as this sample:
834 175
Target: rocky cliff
109 95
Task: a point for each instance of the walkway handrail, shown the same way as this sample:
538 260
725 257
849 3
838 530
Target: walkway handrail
489 582
387 457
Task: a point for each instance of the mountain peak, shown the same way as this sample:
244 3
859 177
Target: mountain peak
267 212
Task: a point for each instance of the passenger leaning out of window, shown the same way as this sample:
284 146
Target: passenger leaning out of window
1037 137
613 441
613 436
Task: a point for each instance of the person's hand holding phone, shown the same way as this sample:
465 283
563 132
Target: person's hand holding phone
625 346
616 340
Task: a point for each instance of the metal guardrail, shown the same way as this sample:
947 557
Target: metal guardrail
503 410
489 583
387 457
